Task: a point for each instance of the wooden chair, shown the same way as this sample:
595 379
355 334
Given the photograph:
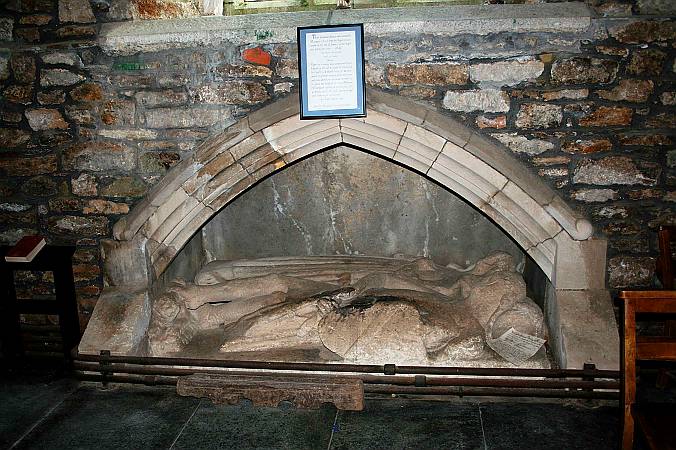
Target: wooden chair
658 426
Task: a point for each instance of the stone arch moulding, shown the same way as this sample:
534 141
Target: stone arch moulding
578 307
480 171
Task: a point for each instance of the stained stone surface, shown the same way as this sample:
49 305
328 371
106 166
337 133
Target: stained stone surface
78 11
59 77
614 170
319 207
488 100
522 144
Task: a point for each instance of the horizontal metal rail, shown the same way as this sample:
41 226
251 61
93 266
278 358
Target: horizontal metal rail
387 369
453 391
587 383
418 380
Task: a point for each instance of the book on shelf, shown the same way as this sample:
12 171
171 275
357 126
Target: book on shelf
26 249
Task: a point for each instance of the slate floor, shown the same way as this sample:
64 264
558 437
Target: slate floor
52 412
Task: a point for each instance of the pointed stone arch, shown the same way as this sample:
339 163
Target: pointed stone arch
477 169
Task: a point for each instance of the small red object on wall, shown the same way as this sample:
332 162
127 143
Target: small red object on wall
257 55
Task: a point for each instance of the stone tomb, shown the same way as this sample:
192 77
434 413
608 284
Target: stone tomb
448 314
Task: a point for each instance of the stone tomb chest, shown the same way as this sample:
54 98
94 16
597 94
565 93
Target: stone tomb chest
433 306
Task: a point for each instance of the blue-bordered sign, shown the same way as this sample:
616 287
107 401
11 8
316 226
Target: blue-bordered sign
331 63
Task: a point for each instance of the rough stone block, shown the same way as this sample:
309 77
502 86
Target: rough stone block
99 157
656 7
185 117
506 73
18 93
118 323
13 137
65 58
154 99
521 144
4 67
431 74
647 61
41 119
242 71
487 100
55 97
59 77
639 32
33 165
636 91
84 185
563 94
536 115
23 66
87 92
119 113
630 271
78 226
287 68
105 207
497 122
580 70
585 146
605 116
238 92
594 195
615 170
78 11
125 186
6 28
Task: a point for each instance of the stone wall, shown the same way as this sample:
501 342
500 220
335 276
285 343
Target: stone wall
85 130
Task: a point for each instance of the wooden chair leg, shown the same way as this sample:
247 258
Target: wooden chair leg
628 429
629 374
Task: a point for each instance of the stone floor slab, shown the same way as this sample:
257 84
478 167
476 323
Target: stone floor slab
246 427
130 417
409 424
23 403
550 426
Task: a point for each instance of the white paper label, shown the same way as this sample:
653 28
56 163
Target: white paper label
331 70
516 347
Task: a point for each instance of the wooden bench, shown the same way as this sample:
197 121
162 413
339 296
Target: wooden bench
659 426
